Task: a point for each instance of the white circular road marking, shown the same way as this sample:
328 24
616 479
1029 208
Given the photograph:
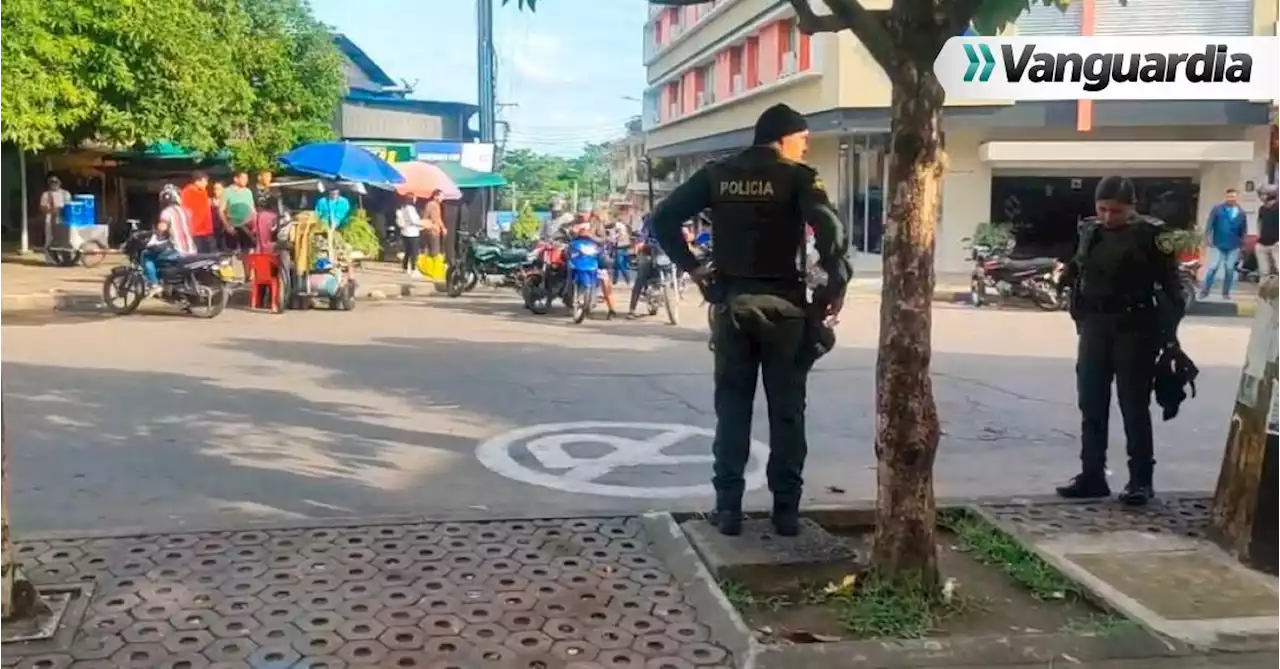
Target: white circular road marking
547 444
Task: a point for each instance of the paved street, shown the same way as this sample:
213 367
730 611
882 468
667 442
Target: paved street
160 421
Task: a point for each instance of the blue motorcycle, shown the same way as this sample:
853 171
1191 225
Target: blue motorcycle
584 277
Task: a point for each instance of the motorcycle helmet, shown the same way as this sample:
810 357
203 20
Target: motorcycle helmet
170 195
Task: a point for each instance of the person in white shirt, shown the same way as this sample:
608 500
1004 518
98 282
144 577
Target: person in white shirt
171 238
410 224
51 203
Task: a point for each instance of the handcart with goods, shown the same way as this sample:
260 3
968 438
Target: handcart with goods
323 265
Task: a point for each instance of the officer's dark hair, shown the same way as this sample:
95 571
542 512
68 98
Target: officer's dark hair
1115 189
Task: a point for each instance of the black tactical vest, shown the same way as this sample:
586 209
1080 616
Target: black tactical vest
754 216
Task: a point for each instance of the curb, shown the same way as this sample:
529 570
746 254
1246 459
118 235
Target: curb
12 305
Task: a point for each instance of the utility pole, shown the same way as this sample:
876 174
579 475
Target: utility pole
484 56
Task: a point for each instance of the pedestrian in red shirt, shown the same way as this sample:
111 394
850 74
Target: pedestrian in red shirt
195 199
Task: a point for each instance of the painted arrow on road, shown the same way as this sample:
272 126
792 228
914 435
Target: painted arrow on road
987 61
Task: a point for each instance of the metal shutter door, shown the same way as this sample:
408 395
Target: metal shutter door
1041 20
1175 17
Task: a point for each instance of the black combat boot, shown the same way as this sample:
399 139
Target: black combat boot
1085 486
1139 490
786 517
728 514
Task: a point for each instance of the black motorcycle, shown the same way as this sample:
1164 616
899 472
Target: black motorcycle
198 283
1036 279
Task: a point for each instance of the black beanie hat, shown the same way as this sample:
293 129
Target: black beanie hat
777 122
1117 189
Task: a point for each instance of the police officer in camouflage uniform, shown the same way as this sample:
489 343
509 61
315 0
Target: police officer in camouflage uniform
759 202
1127 301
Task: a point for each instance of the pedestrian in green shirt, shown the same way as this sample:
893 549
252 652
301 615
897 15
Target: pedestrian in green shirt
238 213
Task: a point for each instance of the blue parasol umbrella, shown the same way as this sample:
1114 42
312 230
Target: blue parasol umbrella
341 160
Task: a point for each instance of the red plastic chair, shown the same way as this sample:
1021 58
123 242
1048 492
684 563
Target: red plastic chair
264 273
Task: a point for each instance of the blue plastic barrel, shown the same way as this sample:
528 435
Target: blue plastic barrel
87 215
73 214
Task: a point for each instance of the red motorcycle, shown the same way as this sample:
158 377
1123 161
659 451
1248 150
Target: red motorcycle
544 277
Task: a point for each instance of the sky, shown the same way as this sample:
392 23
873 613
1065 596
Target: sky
566 71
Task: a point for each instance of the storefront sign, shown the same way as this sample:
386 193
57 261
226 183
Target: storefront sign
392 153
471 155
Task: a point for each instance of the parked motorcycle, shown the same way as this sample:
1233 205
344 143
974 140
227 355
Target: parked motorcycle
1036 279
478 259
196 282
584 277
544 277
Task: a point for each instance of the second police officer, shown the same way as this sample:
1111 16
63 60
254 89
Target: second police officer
1127 301
760 201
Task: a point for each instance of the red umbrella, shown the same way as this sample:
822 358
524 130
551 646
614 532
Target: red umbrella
421 179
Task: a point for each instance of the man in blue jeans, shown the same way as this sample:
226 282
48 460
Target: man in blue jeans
1224 234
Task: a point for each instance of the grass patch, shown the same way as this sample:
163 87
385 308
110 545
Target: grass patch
994 548
877 608
865 606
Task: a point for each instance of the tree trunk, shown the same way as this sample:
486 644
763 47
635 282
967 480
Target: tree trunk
907 429
20 599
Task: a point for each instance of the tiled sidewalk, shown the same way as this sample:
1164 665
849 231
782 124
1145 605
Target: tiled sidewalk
539 594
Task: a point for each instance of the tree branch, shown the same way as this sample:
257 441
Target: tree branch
810 23
868 25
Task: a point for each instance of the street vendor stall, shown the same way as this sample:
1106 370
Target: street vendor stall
322 261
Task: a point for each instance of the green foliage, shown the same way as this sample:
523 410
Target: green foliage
256 75
994 235
526 227
360 235
538 177
297 75
1175 241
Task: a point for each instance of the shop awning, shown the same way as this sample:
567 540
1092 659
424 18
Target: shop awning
466 177
1112 152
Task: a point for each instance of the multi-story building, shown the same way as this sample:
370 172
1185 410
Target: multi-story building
713 68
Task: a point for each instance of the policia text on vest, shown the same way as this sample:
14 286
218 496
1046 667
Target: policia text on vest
759 204
741 188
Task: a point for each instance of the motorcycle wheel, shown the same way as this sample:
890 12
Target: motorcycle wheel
122 293
1045 297
91 254
455 282
669 302
214 294
582 299
977 292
